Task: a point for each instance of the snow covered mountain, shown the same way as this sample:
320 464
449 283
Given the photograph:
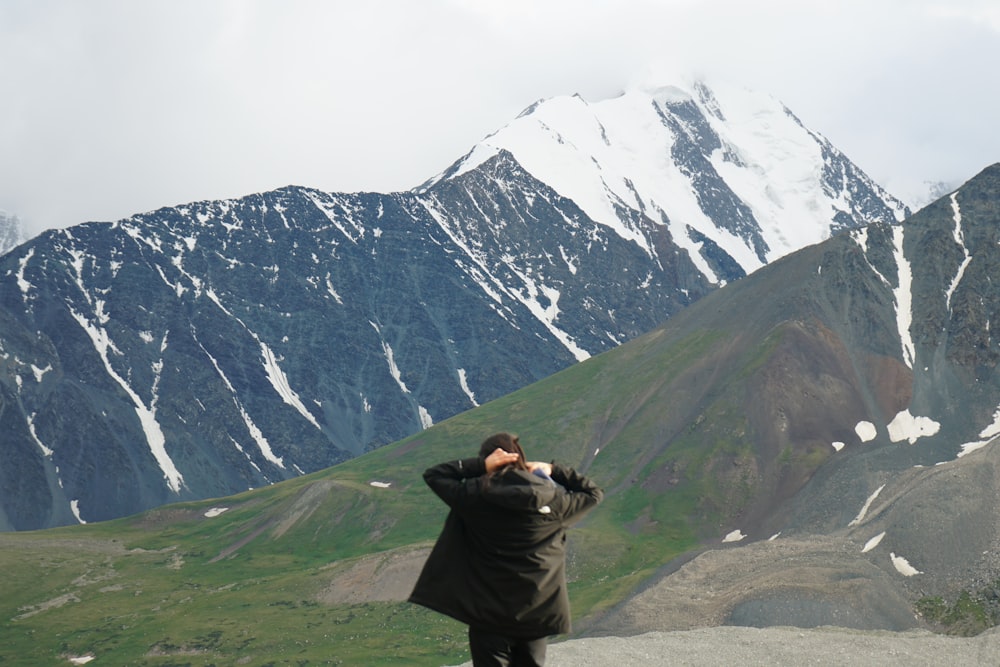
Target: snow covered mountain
727 169
204 349
814 445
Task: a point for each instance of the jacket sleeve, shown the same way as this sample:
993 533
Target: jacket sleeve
583 494
455 482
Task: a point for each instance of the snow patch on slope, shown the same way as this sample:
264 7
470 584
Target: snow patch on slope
464 383
22 282
986 436
960 240
281 385
864 509
903 566
147 415
46 452
258 436
390 358
872 543
903 294
905 426
866 431
74 506
495 288
275 375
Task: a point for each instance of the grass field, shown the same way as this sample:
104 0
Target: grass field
180 585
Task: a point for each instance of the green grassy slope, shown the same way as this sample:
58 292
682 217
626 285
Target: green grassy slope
661 423
174 586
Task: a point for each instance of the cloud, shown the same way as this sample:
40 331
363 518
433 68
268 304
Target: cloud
113 107
978 13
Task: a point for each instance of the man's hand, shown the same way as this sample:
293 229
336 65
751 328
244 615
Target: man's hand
539 465
499 458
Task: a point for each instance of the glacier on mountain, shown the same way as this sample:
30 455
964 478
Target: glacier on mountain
630 152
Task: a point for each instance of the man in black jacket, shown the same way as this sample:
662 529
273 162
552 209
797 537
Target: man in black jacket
500 563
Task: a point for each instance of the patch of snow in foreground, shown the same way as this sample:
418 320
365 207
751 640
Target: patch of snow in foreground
426 421
74 505
993 429
734 536
970 447
873 542
868 503
82 660
381 485
905 426
838 445
215 511
866 431
987 435
464 383
903 566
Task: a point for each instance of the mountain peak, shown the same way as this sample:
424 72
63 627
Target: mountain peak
656 150
229 344
666 94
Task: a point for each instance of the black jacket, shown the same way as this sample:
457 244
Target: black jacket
500 562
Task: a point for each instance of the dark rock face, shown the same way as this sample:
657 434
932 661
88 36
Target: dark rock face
696 141
201 350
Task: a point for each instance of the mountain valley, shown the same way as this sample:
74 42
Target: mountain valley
209 348
811 445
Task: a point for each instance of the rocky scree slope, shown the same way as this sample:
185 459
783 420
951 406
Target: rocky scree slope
872 405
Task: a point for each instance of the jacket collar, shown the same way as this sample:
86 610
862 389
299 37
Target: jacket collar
519 489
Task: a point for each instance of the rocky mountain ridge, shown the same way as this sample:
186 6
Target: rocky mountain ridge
874 420
217 346
814 445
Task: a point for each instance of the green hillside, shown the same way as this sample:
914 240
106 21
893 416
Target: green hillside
314 570
174 587
721 420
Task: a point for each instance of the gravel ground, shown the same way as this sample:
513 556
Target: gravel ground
777 647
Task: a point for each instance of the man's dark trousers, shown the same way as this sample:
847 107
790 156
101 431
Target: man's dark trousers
490 650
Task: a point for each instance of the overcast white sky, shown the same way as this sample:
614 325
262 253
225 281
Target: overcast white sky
115 107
